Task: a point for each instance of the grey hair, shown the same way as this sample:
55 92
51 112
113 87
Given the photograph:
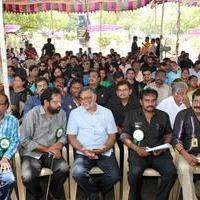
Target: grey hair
87 88
179 86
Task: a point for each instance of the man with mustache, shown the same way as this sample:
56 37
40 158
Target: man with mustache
159 85
148 127
42 134
186 140
91 131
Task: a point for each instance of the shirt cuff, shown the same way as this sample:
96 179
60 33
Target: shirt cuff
32 145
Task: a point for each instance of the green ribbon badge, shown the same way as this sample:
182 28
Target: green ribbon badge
59 132
4 143
138 136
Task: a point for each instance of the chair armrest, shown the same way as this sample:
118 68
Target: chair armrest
117 153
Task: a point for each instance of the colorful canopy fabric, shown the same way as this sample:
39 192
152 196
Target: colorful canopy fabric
32 6
183 2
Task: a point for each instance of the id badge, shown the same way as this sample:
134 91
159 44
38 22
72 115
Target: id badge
195 142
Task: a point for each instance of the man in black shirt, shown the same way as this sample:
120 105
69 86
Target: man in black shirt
148 127
48 48
186 139
124 101
100 91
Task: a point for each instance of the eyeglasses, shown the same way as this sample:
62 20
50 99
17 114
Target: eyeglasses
86 98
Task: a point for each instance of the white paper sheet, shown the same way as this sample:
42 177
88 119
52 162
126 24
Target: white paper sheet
160 147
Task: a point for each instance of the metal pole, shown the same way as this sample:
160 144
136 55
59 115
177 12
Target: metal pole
162 17
100 33
178 28
3 52
161 28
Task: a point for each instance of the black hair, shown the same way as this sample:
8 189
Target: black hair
160 71
196 94
124 82
40 79
148 91
32 67
74 81
6 99
118 75
47 94
191 77
23 78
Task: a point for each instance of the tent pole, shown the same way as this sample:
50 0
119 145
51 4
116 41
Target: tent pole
178 24
161 27
88 21
155 22
3 53
100 33
162 17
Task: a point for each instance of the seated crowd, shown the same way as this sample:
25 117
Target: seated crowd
92 101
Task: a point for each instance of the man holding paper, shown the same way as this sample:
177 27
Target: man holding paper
148 127
186 139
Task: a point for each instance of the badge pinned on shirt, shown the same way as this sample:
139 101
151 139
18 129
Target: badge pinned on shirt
4 143
194 142
138 134
59 132
70 107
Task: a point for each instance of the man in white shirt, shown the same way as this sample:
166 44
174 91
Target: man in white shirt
195 70
175 103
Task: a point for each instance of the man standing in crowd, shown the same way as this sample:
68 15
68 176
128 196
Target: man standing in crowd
91 131
148 127
134 46
48 48
43 134
9 140
186 140
175 103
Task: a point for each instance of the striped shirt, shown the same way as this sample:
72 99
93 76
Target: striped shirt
9 128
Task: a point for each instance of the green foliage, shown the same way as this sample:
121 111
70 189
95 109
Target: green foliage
51 20
104 40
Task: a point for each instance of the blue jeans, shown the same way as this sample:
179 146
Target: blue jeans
108 165
7 181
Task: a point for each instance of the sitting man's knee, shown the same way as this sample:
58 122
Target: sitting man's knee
63 167
8 178
78 172
183 168
134 173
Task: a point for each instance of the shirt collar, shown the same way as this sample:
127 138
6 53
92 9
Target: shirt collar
42 110
85 111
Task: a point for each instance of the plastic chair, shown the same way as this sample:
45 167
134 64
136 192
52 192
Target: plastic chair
44 172
94 170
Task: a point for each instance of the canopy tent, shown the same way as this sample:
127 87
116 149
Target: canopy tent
183 2
78 6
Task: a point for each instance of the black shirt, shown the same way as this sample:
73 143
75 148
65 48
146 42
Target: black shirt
102 97
119 110
187 126
154 133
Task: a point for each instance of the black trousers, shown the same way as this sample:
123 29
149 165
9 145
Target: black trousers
163 164
31 168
